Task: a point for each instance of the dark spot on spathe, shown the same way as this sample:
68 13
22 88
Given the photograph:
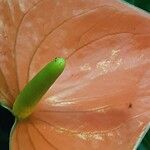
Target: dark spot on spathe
130 105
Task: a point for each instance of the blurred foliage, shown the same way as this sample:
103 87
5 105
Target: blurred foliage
145 144
6 122
143 4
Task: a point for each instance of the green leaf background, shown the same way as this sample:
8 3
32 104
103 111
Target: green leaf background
144 4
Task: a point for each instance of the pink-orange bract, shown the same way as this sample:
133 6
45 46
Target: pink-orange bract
101 101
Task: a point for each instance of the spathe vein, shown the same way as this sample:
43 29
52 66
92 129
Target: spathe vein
30 139
17 32
49 33
100 38
1 92
51 145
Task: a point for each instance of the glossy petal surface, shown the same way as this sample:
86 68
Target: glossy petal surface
101 101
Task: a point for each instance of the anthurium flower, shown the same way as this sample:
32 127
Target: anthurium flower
101 101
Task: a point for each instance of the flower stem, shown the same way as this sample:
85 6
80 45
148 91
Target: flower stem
36 88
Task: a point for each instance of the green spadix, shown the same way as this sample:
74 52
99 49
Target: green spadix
36 88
